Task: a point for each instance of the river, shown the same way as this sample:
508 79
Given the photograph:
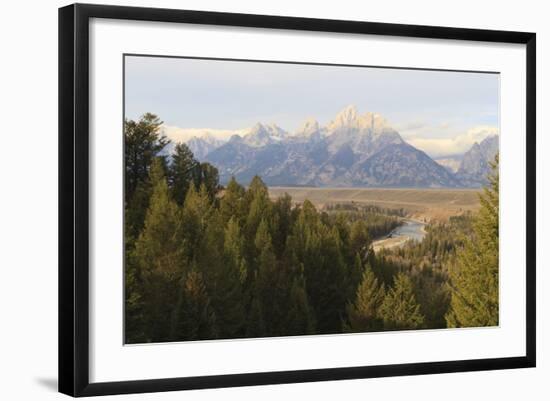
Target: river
410 229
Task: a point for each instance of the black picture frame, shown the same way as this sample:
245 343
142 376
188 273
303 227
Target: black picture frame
74 198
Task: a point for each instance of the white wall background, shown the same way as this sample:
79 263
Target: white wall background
28 199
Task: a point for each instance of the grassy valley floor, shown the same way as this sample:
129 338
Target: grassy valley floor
421 204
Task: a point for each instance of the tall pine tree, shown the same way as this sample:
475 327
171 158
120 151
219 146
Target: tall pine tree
232 203
474 279
196 318
364 313
299 317
234 249
197 210
182 171
158 259
268 292
359 238
318 248
282 222
142 143
222 279
259 209
208 176
400 310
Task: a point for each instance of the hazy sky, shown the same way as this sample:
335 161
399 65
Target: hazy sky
438 111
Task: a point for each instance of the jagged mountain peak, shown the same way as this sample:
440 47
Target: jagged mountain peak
202 145
475 164
475 147
264 134
489 145
352 150
361 150
270 128
376 123
309 127
367 123
345 117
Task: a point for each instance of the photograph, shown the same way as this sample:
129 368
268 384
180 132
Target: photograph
280 198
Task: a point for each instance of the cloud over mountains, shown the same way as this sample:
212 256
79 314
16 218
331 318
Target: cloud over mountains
458 144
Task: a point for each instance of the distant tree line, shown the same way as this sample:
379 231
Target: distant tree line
357 206
207 262
380 221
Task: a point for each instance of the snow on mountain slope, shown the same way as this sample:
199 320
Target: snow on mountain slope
353 149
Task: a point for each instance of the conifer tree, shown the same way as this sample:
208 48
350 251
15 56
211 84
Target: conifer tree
332 283
364 313
259 277
234 249
299 319
262 240
258 203
232 204
474 280
159 247
196 320
307 222
209 251
341 222
222 278
354 273
182 171
318 248
359 238
259 208
256 187
159 257
282 222
134 330
400 310
433 295
269 289
208 176
197 210
142 143
135 211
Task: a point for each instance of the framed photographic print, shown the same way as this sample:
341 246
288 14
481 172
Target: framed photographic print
250 199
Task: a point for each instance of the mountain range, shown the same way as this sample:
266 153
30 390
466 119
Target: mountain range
475 164
353 150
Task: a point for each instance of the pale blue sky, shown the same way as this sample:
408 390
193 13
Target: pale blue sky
424 105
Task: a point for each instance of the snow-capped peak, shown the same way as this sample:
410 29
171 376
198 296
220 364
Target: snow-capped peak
345 118
309 127
260 134
375 122
369 122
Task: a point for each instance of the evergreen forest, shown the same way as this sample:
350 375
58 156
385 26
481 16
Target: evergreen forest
206 261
